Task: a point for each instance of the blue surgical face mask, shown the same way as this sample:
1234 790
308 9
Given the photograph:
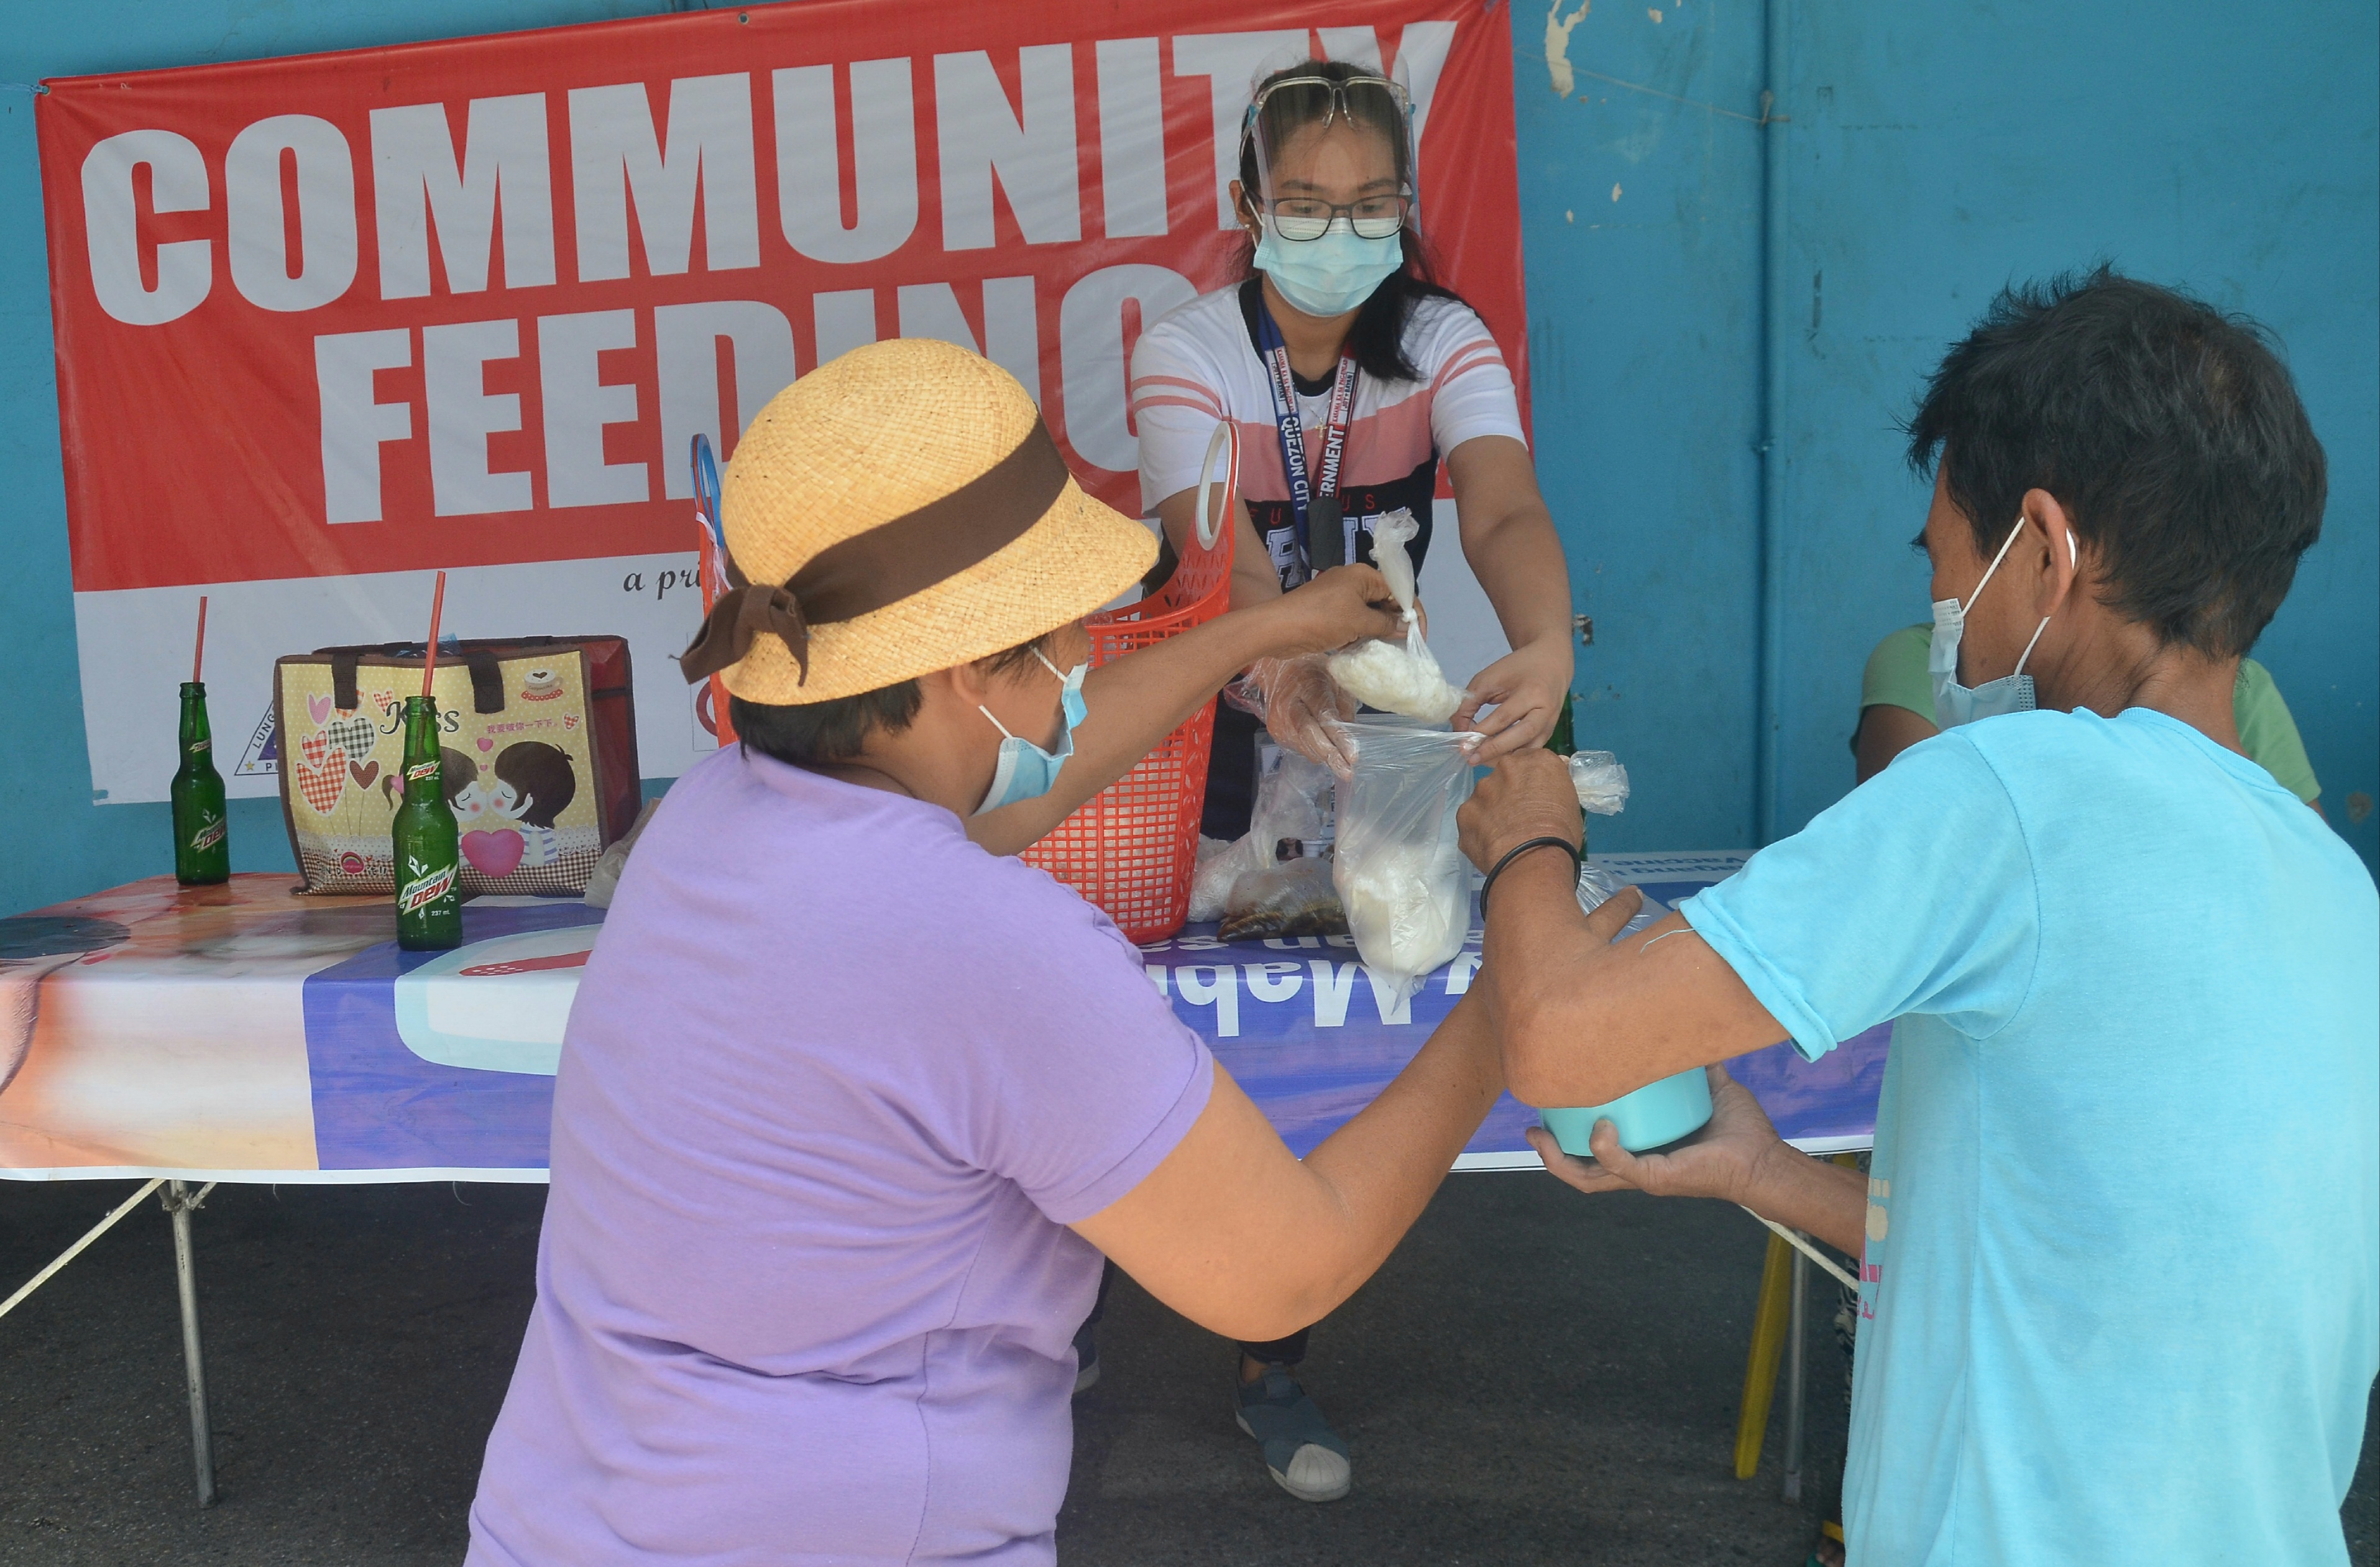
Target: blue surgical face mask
1330 275
1955 704
1025 771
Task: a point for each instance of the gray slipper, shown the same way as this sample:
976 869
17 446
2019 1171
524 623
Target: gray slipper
1301 1450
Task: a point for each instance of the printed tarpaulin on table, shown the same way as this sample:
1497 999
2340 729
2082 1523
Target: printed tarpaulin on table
327 322
242 1033
1312 1035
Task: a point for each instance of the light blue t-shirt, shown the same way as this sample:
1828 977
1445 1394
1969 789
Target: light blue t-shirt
2121 1290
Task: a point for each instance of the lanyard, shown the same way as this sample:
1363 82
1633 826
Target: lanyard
1312 503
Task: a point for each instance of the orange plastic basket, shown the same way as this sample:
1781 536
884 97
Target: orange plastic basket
1131 847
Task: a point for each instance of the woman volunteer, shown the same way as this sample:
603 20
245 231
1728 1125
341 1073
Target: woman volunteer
1351 375
849 1107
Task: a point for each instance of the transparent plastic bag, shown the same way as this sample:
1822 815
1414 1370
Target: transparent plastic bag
1242 884
1293 897
1601 781
1400 872
1220 864
1602 786
1398 678
1597 886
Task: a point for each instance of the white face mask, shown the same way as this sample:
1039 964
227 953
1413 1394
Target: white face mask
1955 704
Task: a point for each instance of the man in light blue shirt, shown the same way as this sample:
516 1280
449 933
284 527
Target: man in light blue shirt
2120 1245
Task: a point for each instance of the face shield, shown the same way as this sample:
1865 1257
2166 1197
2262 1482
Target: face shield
1331 153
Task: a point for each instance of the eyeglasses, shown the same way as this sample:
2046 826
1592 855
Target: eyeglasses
1303 217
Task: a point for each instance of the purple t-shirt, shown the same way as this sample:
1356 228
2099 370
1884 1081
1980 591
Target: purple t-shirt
835 1083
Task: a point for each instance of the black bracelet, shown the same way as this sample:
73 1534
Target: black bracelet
1564 845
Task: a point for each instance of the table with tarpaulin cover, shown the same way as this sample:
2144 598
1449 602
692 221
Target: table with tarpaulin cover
190 1036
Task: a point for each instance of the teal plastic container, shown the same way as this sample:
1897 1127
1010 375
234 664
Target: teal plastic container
1656 1114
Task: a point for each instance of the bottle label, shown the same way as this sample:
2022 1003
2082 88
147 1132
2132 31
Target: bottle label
195 746
209 834
423 891
421 771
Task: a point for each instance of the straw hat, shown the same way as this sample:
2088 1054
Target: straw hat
900 510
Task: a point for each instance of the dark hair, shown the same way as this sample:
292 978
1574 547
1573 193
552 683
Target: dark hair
834 730
1378 337
2169 432
539 774
456 772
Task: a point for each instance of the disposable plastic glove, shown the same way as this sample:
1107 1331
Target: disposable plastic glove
1297 699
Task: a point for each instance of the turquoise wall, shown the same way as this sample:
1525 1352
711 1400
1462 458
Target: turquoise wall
1930 151
1933 151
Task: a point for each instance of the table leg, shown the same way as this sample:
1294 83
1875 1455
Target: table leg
1793 1375
94 1233
202 1450
1760 1363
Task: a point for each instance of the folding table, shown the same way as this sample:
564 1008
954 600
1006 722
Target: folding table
186 1036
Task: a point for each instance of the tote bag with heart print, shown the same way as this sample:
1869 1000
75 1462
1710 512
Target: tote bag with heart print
538 743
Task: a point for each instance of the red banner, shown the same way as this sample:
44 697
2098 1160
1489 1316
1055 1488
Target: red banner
464 304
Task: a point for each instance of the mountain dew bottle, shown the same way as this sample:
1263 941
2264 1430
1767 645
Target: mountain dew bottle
425 844
201 840
1562 742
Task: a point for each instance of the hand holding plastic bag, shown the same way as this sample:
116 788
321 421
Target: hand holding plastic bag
1300 705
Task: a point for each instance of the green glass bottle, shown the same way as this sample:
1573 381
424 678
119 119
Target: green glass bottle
1561 741
424 843
201 837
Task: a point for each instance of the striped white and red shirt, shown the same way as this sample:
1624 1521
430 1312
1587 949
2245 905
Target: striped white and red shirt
1198 364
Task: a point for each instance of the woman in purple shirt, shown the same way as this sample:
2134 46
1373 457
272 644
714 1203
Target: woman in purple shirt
849 1107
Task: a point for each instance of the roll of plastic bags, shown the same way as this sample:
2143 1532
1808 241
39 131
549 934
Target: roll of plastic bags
1400 871
1392 677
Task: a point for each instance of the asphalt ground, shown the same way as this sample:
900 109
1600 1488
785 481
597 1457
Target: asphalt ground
1534 1376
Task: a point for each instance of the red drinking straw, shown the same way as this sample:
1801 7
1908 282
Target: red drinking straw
199 653
430 660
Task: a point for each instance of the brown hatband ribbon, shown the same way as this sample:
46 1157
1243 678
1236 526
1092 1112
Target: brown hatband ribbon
886 564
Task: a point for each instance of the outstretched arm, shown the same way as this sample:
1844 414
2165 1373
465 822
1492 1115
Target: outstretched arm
1137 701
1243 1238
1508 537
1582 1021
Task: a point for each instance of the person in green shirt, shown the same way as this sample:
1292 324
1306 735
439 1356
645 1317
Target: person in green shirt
1897 710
